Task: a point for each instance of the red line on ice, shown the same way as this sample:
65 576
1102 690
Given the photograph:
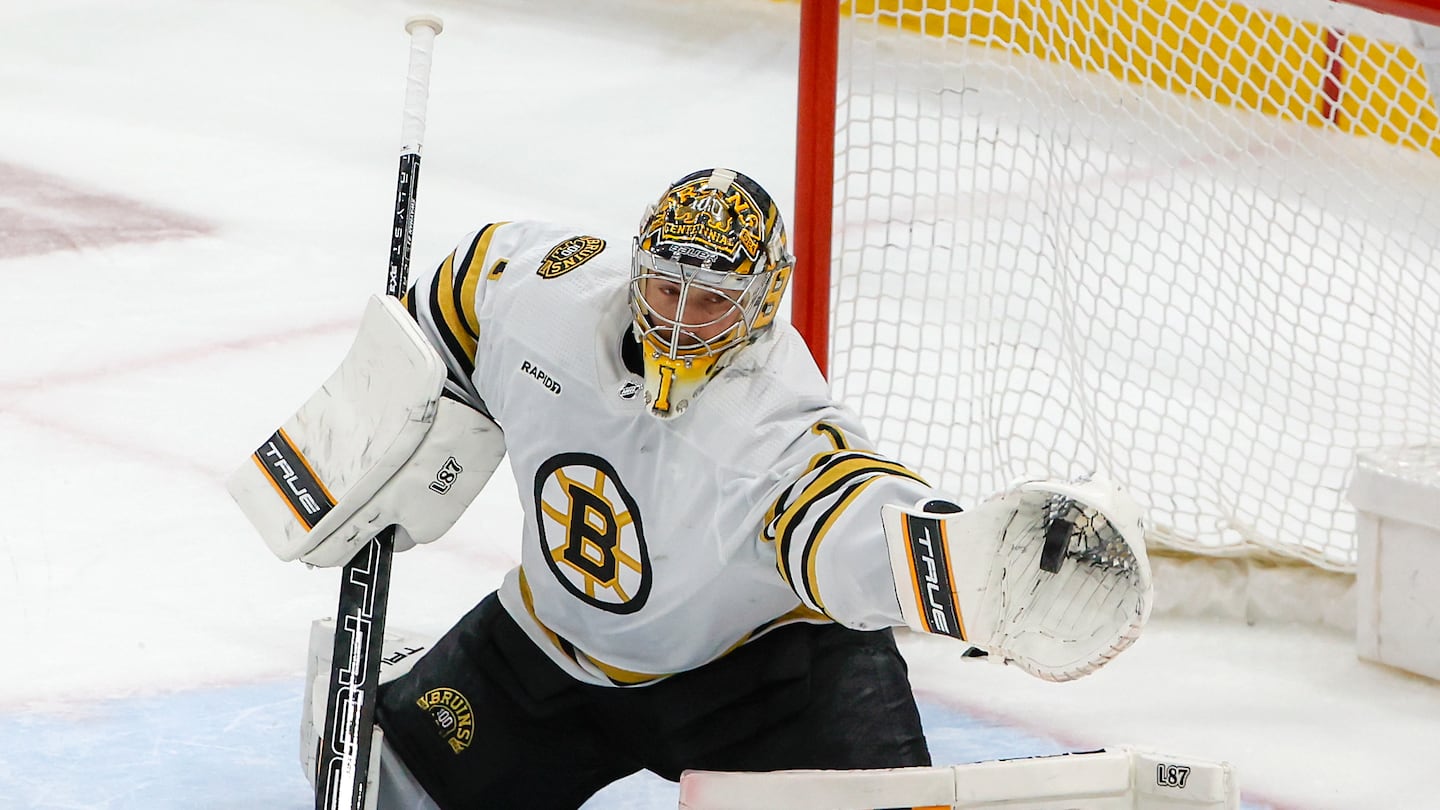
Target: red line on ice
41 213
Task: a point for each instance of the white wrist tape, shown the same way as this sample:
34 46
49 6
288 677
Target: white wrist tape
1051 576
376 446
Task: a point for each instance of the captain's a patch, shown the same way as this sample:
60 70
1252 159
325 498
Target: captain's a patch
569 255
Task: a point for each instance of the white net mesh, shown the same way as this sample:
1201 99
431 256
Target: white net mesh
1180 248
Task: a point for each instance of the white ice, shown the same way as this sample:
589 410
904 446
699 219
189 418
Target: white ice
135 374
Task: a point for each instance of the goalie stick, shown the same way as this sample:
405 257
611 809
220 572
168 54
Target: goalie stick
342 778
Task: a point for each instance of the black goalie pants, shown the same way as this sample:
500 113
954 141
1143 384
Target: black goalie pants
486 720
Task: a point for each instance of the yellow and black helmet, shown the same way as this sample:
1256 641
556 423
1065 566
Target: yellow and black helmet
708 270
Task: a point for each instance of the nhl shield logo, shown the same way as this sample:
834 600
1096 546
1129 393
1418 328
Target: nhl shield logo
569 255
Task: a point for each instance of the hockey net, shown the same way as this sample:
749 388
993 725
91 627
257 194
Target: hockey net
1193 246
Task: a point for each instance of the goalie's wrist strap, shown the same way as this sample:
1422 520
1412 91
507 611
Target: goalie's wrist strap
920 556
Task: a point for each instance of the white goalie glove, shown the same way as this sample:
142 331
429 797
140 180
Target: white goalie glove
1051 576
376 446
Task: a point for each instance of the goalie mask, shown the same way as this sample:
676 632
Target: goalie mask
707 273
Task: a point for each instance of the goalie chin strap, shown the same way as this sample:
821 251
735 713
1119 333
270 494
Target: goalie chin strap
342 780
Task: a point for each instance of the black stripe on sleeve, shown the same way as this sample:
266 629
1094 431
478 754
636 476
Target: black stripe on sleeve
461 272
808 499
452 344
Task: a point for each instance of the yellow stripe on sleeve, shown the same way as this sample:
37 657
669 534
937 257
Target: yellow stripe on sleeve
834 474
812 548
472 274
453 321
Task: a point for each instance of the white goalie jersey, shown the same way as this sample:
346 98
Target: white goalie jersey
654 546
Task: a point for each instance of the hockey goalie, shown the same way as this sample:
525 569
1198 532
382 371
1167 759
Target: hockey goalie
714 553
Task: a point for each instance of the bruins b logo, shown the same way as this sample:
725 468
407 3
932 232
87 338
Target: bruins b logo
590 532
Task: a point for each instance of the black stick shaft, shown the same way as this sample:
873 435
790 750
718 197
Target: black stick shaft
345 741
406 187
344 760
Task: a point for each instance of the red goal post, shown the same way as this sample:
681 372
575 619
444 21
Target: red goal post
1193 246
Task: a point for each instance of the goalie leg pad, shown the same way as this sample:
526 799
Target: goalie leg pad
1122 779
1051 576
396 787
399 652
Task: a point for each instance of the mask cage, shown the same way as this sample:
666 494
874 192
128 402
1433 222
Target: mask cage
680 338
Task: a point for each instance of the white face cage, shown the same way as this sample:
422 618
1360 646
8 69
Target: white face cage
701 313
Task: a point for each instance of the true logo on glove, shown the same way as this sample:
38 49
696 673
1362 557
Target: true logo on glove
292 477
445 477
929 575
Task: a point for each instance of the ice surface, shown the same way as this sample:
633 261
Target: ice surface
237 166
